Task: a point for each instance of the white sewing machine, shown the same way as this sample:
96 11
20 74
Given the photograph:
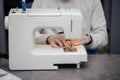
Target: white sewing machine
25 54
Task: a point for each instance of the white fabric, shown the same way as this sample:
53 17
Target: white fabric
7 76
94 21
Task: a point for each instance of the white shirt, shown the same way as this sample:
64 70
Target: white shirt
94 21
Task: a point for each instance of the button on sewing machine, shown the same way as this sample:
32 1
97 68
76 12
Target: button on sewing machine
13 11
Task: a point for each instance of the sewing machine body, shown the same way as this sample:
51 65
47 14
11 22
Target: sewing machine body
24 54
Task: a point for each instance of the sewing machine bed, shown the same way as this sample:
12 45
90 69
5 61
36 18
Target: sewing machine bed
48 50
43 57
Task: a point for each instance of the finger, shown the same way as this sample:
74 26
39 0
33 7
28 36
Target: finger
62 37
74 40
59 43
65 43
75 43
68 42
54 45
63 40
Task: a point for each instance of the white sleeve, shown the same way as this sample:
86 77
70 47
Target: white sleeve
41 38
99 32
37 4
41 35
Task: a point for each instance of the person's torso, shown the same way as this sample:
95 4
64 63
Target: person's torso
85 7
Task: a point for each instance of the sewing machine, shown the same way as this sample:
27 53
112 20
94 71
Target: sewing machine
25 54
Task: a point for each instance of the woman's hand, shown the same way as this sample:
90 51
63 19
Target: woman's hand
85 39
57 41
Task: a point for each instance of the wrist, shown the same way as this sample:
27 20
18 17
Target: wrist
90 39
47 40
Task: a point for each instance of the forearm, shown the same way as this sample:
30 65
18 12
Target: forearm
100 38
98 27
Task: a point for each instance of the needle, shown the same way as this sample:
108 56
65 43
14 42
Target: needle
70 43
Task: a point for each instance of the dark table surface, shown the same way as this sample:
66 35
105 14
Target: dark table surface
98 67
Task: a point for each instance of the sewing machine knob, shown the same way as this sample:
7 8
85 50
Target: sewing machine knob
13 11
6 22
